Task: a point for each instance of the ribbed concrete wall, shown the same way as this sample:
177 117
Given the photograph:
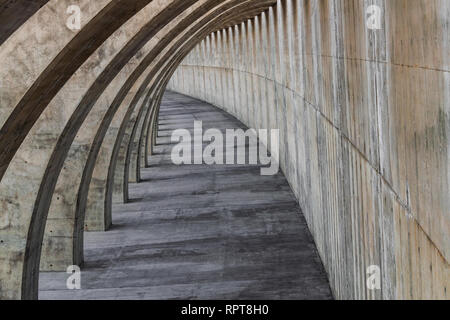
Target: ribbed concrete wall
365 123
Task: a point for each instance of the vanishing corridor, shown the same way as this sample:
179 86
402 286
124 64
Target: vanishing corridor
357 91
199 231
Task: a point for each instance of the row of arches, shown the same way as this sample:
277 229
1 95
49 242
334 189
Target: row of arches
78 117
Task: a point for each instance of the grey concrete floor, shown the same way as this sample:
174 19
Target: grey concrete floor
199 231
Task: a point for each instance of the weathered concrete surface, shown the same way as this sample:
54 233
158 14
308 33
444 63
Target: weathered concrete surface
200 232
14 13
365 117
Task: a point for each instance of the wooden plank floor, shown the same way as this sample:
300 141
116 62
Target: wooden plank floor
199 231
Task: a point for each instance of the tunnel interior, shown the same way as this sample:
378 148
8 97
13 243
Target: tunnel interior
92 90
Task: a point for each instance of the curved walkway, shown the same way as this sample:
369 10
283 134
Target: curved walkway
199 232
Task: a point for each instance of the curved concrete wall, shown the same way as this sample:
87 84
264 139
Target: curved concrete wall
77 114
364 116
